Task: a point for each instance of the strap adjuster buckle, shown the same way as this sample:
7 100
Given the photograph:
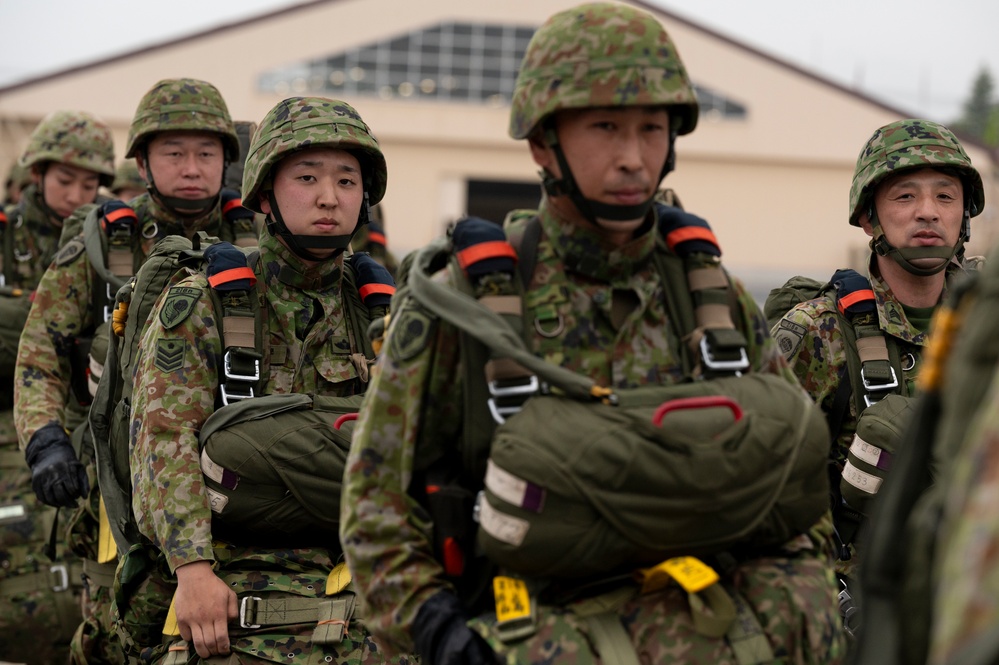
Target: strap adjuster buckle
60 570
723 365
228 396
877 387
244 609
229 374
501 413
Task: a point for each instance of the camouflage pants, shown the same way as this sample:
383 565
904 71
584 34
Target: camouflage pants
144 589
794 601
39 596
96 640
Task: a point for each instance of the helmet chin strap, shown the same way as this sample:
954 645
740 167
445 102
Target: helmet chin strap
301 244
905 255
188 208
593 210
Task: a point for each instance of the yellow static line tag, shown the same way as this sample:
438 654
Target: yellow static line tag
338 579
170 627
689 572
107 550
512 599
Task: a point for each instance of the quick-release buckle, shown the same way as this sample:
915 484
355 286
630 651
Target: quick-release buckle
243 608
228 396
501 413
227 365
714 365
60 570
877 387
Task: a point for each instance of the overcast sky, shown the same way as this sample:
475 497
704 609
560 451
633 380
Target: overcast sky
919 56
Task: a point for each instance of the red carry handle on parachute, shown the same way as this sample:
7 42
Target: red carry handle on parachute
696 403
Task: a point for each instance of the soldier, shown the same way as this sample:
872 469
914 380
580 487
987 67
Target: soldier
69 155
128 183
600 97
18 178
181 137
312 169
914 192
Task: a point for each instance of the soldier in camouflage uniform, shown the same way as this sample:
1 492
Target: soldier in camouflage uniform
182 137
312 169
69 155
914 192
604 139
18 178
128 182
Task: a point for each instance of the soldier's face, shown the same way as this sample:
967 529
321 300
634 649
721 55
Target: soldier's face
921 208
185 165
66 187
319 192
615 154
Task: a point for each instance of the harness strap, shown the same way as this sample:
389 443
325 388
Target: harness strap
331 615
100 574
59 577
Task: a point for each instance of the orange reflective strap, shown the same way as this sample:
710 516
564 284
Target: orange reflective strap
232 275
369 289
229 205
685 233
485 250
377 238
851 299
119 215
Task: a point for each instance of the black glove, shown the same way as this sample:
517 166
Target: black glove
442 638
57 477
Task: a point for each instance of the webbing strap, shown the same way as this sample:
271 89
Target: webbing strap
331 615
59 577
746 637
100 574
611 639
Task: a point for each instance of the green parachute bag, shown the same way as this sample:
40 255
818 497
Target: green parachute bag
796 290
661 471
273 466
877 440
14 307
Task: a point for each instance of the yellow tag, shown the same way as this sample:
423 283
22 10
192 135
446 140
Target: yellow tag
512 599
107 551
170 627
690 573
338 579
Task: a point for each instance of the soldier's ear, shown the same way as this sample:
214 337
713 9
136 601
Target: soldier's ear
140 163
865 223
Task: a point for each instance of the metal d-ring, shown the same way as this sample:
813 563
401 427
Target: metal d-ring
550 333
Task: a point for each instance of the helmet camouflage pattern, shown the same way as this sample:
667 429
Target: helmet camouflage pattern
310 122
127 176
600 54
911 144
182 105
75 138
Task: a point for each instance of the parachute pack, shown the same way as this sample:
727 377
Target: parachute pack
251 482
566 461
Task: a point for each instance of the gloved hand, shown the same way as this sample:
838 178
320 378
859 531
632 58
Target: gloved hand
374 281
232 206
57 476
442 638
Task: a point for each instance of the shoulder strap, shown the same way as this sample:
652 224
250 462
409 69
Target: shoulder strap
237 306
109 233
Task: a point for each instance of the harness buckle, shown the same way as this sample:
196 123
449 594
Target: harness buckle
244 609
501 413
60 570
229 374
715 365
228 396
877 387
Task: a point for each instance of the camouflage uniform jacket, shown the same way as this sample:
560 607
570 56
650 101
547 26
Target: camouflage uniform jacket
30 240
814 347
415 404
172 400
63 310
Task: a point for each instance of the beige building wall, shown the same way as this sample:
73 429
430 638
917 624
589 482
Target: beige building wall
774 186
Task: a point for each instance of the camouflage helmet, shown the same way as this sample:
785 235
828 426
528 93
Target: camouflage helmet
311 122
911 144
600 54
182 105
75 138
127 176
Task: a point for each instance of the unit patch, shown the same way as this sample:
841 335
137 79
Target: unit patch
789 336
70 251
409 335
169 354
180 301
